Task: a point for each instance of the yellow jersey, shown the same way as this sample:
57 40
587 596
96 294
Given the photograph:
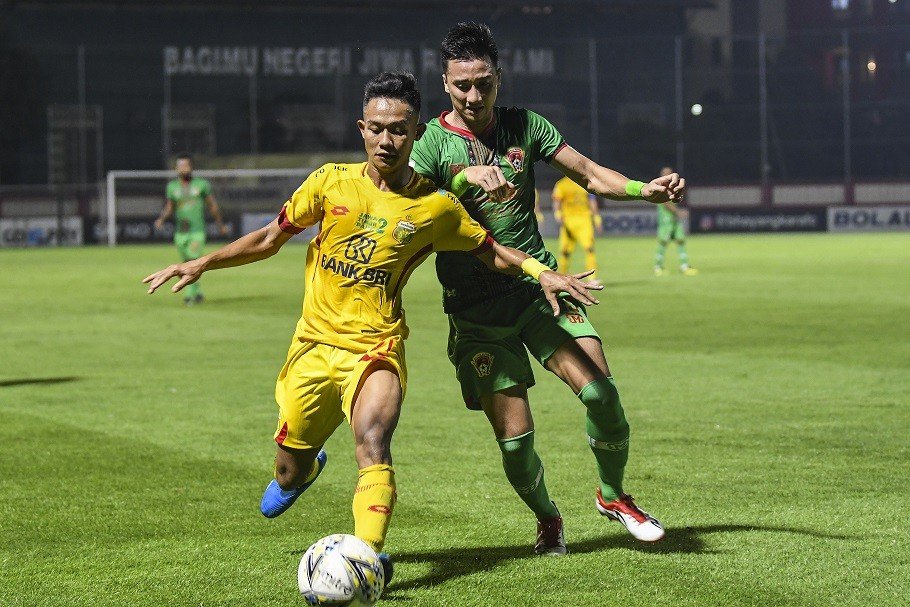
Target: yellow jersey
369 243
572 197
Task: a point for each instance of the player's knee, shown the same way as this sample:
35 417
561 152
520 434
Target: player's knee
604 407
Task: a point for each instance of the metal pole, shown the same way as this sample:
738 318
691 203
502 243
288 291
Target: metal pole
83 143
763 110
595 107
845 77
680 145
166 121
111 211
254 116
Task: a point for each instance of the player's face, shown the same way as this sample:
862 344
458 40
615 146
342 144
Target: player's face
389 127
184 168
472 85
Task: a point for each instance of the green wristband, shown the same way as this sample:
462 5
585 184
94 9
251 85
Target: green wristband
459 184
633 188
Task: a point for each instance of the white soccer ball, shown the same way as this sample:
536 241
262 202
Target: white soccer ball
340 570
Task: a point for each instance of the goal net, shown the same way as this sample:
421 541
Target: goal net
248 199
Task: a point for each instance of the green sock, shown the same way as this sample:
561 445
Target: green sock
525 473
659 257
608 434
192 290
683 255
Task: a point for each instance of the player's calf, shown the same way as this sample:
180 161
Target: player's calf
284 490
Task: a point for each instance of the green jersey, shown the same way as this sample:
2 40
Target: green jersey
514 141
189 204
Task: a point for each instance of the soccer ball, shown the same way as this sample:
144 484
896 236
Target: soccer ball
340 570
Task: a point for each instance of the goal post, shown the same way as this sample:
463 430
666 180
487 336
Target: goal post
236 190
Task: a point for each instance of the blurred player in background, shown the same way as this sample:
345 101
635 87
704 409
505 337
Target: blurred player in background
671 225
575 210
379 221
485 155
186 198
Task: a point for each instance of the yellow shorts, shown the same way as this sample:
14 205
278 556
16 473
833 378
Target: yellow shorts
316 388
576 230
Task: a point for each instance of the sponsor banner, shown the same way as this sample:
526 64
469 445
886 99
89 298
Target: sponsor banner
142 229
40 231
869 219
616 222
253 221
759 220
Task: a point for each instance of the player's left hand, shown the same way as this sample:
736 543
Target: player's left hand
554 284
668 187
187 273
223 229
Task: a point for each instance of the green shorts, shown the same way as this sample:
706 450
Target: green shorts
490 358
190 244
671 230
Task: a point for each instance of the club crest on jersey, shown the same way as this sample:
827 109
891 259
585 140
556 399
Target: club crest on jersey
516 158
483 363
455 169
404 232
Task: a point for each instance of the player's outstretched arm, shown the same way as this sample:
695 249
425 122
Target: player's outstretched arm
165 213
512 261
601 181
215 211
255 246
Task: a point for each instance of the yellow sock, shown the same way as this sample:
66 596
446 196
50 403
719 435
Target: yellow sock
563 264
374 499
591 262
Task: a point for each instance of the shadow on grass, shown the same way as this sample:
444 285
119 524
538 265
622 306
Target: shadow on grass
453 563
220 301
6 383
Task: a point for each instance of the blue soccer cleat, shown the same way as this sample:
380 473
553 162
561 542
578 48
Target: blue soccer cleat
387 567
276 500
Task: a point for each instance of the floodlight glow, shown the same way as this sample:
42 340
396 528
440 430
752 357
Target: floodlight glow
871 66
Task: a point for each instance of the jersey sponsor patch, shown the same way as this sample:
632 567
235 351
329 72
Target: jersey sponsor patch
455 169
482 363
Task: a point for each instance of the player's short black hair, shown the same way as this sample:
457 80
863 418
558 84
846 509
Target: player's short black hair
185 156
466 41
394 85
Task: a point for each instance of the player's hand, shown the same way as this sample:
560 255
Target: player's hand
187 273
492 181
668 187
223 229
554 284
159 223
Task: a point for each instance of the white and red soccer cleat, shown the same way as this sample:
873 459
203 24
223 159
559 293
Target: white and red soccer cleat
639 523
550 538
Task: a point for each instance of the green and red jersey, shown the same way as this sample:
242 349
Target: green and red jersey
515 140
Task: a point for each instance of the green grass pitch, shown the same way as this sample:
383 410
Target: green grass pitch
768 399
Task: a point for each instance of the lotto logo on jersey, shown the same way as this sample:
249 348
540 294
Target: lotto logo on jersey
516 158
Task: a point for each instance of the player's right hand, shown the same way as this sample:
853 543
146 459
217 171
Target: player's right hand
188 273
159 224
664 188
492 181
555 283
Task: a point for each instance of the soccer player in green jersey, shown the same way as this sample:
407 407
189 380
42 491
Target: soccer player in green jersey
671 226
186 198
486 155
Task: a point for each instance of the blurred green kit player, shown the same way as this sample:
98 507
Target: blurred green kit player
671 226
187 197
486 154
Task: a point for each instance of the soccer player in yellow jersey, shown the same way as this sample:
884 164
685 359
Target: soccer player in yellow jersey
378 221
575 210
